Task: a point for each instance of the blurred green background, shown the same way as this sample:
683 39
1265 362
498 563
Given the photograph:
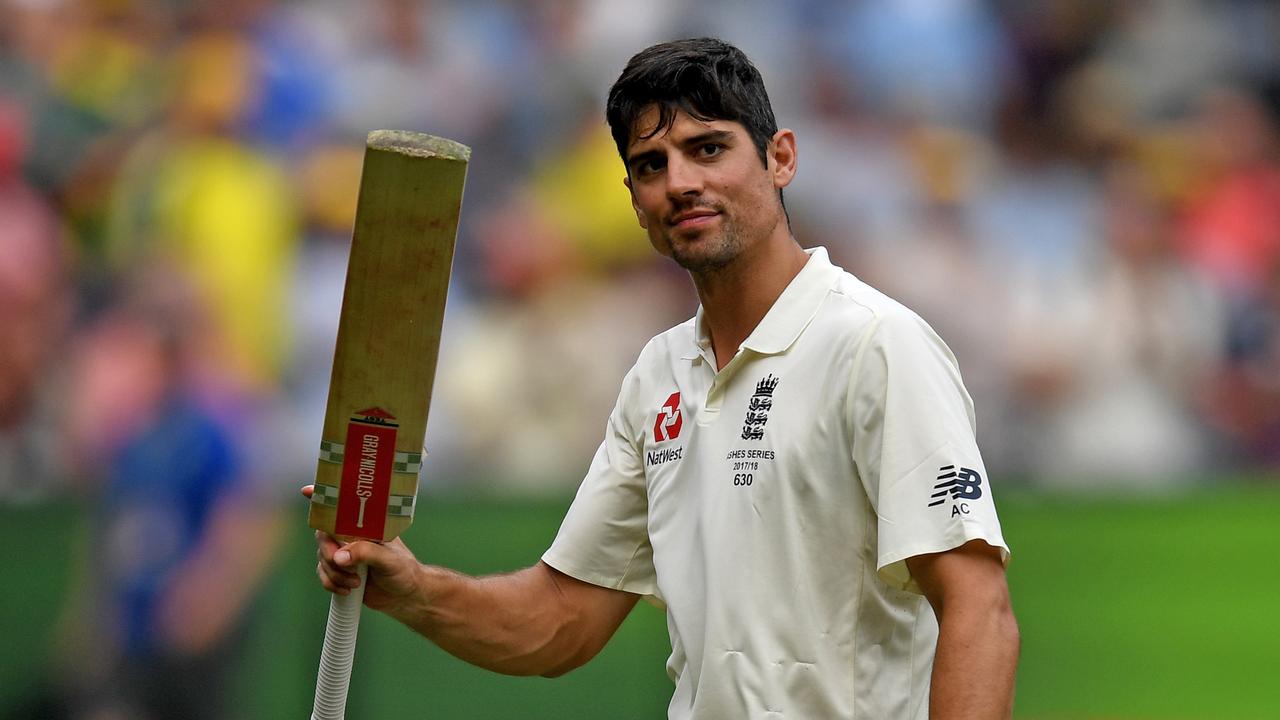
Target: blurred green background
1129 608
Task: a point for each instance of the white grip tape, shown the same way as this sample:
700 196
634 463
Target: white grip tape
339 650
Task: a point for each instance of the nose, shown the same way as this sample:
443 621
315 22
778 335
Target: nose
684 178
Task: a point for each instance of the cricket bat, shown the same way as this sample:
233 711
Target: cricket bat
384 363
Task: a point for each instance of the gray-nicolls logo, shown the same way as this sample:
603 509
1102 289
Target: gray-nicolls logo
758 409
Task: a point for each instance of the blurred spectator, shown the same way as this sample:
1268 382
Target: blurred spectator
181 529
857 191
329 181
294 102
35 310
222 213
1232 227
105 62
1140 341
1037 213
1244 403
526 373
430 66
940 62
1166 53
577 191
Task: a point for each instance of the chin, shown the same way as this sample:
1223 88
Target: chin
708 259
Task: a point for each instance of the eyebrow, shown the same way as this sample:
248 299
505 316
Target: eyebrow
721 136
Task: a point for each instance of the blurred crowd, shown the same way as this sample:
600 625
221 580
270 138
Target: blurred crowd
1082 196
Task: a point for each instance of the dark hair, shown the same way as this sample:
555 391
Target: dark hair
707 78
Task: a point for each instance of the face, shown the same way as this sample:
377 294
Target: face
701 192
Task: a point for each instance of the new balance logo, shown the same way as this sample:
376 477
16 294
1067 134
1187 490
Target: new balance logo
957 485
669 420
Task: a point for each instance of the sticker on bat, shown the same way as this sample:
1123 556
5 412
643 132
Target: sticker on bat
367 465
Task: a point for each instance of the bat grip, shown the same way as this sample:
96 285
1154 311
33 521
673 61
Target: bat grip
339 650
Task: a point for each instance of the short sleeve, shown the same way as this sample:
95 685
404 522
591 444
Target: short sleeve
604 538
914 447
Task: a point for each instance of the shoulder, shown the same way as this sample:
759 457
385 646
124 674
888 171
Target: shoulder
656 366
865 315
671 344
887 342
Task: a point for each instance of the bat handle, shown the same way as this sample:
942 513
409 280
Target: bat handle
339 650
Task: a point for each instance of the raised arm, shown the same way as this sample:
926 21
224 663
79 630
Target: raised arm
978 642
536 621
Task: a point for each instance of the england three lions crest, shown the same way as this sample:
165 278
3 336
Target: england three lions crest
758 409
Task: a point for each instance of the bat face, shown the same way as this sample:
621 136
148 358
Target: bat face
389 335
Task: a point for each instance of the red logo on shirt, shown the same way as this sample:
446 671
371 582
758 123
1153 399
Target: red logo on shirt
667 426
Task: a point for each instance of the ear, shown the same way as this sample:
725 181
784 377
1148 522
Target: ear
632 191
782 157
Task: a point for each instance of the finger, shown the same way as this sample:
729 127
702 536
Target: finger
327 581
326 546
336 576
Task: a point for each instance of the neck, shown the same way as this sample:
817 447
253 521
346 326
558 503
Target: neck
736 298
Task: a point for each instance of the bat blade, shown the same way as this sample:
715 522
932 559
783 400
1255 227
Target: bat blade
384 365
388 335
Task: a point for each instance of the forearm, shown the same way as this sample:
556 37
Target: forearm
537 621
973 668
517 624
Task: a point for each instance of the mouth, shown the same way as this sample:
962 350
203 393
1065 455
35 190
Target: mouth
692 218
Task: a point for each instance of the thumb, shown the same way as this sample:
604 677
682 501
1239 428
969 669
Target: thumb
361 552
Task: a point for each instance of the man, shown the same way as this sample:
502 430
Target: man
787 472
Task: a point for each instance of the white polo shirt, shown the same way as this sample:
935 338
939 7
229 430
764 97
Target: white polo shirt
770 507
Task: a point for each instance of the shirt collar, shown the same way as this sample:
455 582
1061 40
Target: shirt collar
788 316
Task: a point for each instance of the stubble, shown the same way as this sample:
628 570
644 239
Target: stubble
707 255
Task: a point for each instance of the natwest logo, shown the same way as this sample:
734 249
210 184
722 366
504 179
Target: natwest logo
667 425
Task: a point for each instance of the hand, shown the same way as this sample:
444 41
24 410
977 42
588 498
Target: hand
393 570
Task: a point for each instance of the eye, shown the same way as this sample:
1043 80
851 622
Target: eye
650 165
710 149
